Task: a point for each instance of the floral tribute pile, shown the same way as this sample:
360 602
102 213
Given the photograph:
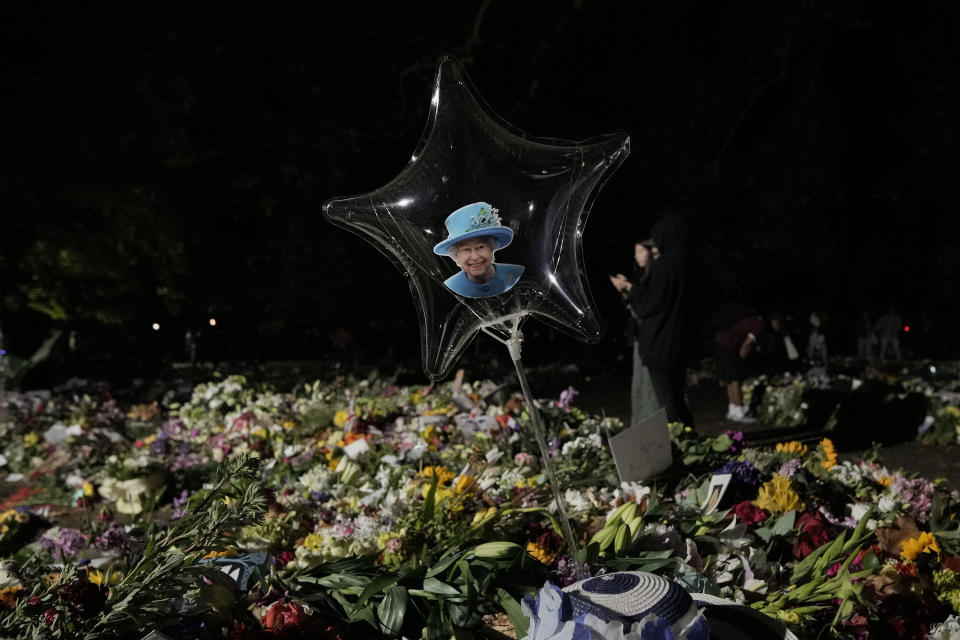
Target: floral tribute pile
781 400
366 510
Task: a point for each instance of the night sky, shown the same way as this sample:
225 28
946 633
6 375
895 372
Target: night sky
168 162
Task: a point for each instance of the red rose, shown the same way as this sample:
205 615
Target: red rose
283 615
813 533
749 513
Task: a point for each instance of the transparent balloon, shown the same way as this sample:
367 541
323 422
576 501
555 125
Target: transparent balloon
487 223
474 188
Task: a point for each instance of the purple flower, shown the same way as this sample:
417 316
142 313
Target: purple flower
918 492
554 447
65 542
566 573
790 467
178 503
737 437
115 538
566 399
743 472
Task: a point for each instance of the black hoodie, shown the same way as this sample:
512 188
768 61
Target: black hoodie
668 325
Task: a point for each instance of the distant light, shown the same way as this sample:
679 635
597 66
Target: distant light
213 322
933 369
906 329
404 202
156 326
3 352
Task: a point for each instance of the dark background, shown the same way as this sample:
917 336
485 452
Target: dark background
168 162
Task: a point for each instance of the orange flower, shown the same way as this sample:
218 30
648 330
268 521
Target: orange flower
541 553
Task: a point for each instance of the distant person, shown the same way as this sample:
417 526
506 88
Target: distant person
867 341
668 327
643 398
817 344
776 350
737 331
474 234
889 326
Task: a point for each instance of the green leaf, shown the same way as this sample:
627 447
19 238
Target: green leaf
445 561
520 622
433 585
764 533
429 503
353 614
377 585
784 523
437 628
392 609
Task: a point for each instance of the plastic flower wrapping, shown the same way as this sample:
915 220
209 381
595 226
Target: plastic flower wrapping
364 508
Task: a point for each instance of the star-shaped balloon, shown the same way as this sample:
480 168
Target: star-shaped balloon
477 185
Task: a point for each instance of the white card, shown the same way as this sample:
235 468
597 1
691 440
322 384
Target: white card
471 425
718 486
643 451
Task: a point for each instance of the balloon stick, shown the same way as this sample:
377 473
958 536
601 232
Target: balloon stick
513 344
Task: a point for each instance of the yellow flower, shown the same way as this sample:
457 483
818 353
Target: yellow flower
88 489
482 516
334 463
885 480
924 543
150 439
794 447
778 495
30 439
952 411
287 424
788 617
465 483
226 553
830 455
442 474
415 398
99 578
429 433
443 493
259 432
19 516
8 596
313 541
340 418
541 553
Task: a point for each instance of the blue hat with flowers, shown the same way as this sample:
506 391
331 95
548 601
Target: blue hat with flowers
471 221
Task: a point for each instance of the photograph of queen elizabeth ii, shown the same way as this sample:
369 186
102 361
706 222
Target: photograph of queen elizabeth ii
474 233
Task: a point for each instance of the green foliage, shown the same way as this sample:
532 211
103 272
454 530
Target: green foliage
167 569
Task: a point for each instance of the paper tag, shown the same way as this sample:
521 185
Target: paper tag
718 486
425 421
356 448
643 451
470 425
462 402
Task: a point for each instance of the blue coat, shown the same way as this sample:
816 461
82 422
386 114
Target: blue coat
504 279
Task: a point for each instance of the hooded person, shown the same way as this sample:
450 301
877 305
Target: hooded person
668 327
